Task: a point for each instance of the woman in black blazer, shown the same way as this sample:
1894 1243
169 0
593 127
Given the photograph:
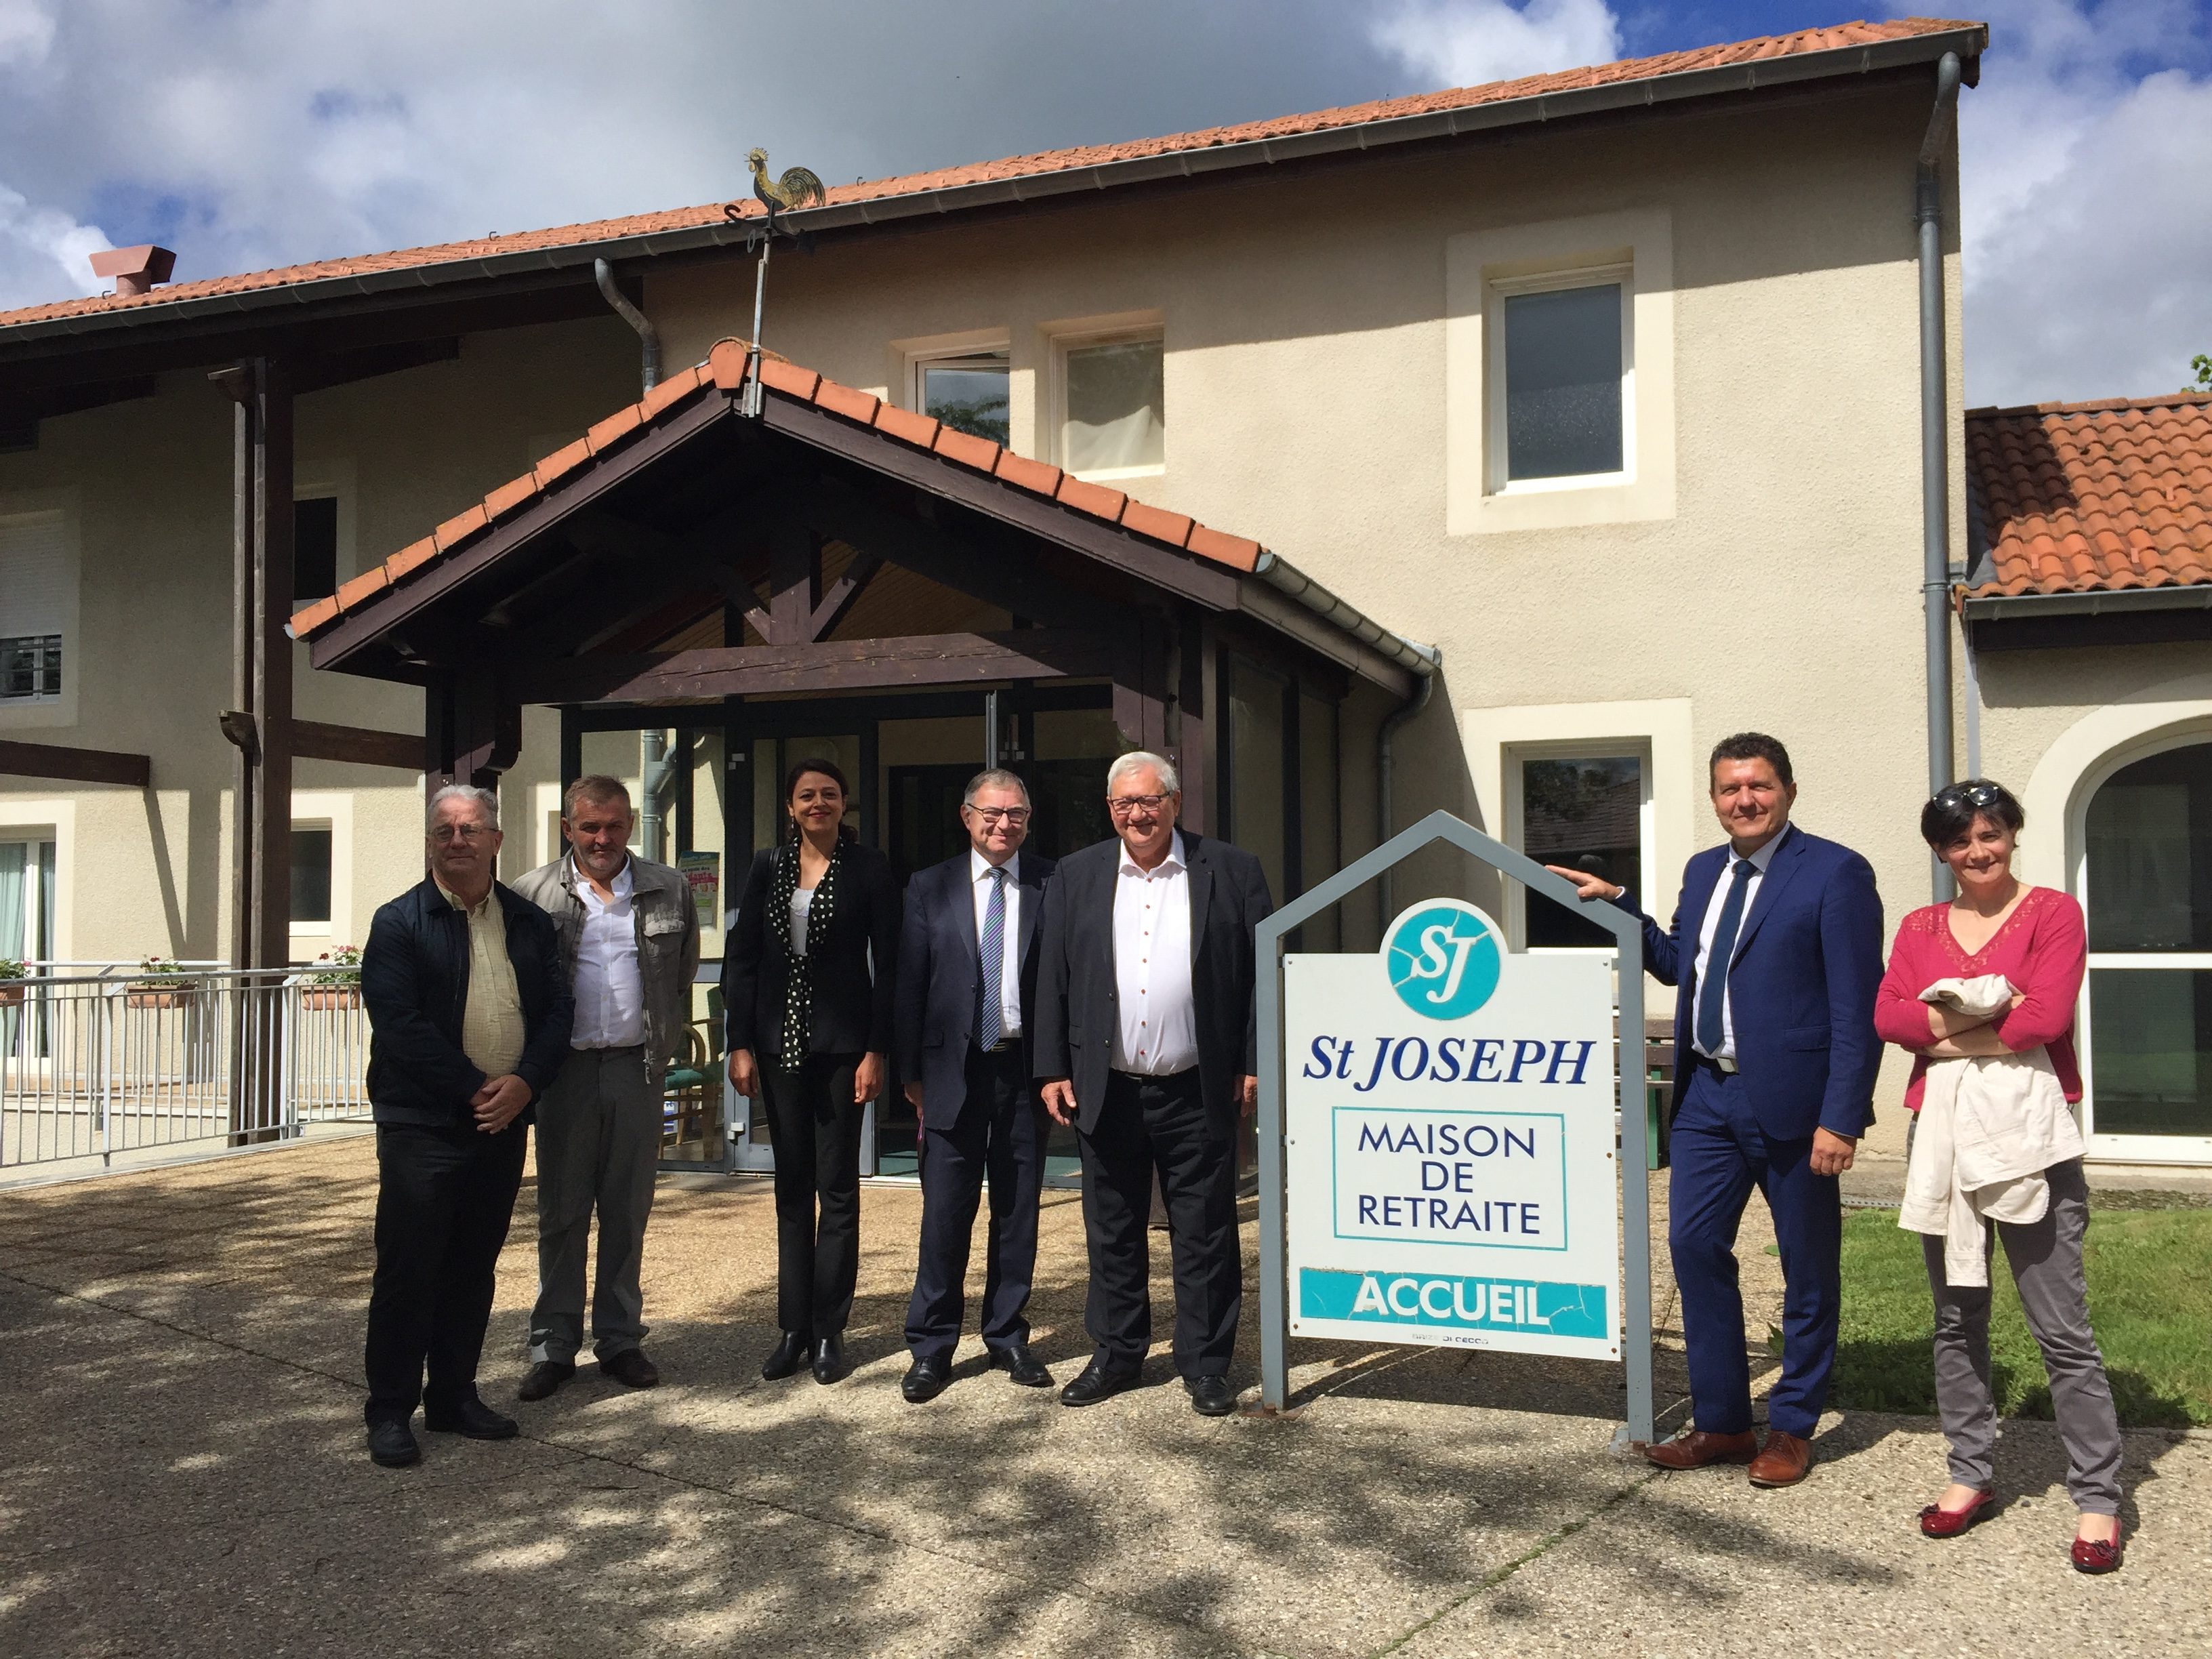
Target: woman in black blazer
810 1020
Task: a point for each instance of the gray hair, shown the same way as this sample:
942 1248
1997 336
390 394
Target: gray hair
1143 760
483 799
994 777
594 786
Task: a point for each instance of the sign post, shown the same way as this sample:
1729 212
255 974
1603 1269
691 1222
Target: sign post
1438 1163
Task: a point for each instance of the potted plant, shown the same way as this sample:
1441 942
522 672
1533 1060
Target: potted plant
165 991
334 980
11 982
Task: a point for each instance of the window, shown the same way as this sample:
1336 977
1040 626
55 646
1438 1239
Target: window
1587 811
33 593
969 393
26 900
2148 890
311 875
1113 421
1562 397
314 549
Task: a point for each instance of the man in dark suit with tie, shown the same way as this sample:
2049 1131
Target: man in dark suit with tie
1145 1041
967 996
1777 948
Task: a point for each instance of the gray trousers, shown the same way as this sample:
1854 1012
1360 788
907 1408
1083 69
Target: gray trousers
599 1140
2046 1265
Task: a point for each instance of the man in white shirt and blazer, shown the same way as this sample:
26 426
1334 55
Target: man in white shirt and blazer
966 1009
1146 1041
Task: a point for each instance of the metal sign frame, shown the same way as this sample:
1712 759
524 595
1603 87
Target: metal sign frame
1627 931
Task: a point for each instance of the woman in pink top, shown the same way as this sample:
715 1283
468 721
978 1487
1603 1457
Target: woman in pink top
2035 938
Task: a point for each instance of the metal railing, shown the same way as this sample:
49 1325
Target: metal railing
98 1064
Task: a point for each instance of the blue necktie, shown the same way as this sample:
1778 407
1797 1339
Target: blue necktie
1712 991
993 946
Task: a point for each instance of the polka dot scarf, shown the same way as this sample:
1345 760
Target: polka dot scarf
799 992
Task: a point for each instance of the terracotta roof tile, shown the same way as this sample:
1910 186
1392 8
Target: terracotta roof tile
723 376
2075 498
1763 49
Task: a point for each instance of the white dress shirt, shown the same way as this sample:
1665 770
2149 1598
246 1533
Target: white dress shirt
1759 861
1157 1034
1009 957
610 994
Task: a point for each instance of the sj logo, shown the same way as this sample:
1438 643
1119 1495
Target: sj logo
1443 959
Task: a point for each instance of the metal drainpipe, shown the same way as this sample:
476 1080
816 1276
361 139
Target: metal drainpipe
1935 447
653 778
648 336
1385 742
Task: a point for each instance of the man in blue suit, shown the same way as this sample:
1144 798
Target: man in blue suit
1775 947
966 1008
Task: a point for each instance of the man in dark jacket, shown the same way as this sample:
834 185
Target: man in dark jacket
1145 1041
470 1012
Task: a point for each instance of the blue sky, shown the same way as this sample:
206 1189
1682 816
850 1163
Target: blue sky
246 133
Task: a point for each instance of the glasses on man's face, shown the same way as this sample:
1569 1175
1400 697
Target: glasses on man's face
1121 806
1980 795
468 832
1015 816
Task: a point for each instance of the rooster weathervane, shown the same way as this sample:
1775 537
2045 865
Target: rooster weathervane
798 187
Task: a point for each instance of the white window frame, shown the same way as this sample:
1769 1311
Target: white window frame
25 818
1515 757
1498 463
332 810
2113 1148
1128 330
942 350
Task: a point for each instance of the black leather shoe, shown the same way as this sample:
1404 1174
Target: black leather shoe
790 1354
1211 1396
391 1444
926 1378
1022 1366
829 1359
472 1420
544 1380
631 1369
1097 1384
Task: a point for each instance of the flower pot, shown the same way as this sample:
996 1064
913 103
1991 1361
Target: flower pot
330 996
153 996
11 994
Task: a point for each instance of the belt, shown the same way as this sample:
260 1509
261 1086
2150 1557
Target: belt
1005 1045
610 1048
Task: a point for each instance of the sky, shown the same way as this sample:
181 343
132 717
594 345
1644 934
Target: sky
250 133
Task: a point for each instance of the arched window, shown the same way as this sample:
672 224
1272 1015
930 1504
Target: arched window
2148 889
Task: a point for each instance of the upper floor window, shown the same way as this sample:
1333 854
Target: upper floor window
314 549
1114 415
1561 406
34 597
969 393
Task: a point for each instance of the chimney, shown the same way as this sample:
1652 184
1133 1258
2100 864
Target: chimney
134 268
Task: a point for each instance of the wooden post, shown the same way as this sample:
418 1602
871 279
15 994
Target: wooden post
238 383
272 662
1141 686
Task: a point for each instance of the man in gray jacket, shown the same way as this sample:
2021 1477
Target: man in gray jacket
630 944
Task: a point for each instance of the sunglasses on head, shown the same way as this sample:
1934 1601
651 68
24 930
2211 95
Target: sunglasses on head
1979 795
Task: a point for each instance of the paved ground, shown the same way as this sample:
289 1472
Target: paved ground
180 1474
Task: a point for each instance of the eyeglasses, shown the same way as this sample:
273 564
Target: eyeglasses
459 832
1016 815
1121 806
1980 795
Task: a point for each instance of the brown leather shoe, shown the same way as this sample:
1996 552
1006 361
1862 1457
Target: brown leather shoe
1697 1449
1784 1462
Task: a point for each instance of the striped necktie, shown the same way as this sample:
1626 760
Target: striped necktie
992 945
1712 991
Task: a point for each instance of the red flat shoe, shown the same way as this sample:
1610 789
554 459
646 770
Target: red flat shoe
1936 1521
2095 1555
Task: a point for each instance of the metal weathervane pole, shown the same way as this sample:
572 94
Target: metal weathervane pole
753 347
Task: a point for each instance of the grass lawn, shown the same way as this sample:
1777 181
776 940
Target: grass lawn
2150 1299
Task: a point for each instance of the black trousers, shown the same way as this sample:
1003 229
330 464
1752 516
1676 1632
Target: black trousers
444 1197
999 1137
816 1125
1160 1123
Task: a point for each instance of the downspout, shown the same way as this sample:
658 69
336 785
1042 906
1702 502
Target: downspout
648 336
656 772
1935 446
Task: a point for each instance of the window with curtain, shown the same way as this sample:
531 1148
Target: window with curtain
1564 370
26 900
1116 420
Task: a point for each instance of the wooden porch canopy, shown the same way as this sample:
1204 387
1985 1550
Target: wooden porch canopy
685 550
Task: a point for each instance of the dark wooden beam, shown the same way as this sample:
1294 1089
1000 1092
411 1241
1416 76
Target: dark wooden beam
1141 687
357 746
272 661
335 368
841 594
54 760
847 665
794 583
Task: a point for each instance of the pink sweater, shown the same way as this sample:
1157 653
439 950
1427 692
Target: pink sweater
2043 949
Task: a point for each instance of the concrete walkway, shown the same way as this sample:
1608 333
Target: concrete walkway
181 1474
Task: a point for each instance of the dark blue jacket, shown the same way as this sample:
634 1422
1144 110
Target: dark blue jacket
415 984
940 977
1801 989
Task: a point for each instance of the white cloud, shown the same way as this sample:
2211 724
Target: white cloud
27 32
44 251
2087 233
1467 43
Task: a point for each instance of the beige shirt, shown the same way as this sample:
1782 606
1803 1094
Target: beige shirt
491 1019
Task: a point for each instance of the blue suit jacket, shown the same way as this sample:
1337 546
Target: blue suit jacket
1801 989
940 974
